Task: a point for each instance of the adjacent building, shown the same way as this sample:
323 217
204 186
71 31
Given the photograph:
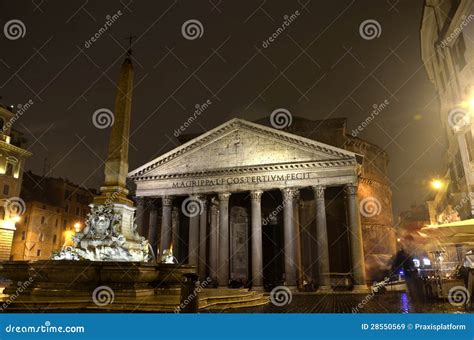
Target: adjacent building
13 155
447 49
55 210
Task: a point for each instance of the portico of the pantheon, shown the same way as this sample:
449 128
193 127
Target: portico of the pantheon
227 202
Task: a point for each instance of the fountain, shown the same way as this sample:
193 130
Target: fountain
102 240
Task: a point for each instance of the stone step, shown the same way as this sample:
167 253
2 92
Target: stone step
209 300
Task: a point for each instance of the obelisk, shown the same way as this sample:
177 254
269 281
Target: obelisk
114 191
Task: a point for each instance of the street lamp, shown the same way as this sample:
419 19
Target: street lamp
437 184
77 227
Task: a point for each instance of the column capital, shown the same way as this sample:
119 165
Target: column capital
351 189
224 196
318 191
289 194
152 203
167 201
256 195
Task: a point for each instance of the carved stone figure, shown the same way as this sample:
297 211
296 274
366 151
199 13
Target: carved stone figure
101 240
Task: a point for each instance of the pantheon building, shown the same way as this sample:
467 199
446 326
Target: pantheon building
308 206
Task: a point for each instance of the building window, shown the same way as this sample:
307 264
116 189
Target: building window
56 223
6 189
78 211
38 252
54 238
2 213
42 219
9 171
64 224
66 208
41 237
23 235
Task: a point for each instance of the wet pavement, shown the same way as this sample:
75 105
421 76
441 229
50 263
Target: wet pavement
355 303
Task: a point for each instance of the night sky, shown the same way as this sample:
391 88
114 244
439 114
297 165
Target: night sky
319 67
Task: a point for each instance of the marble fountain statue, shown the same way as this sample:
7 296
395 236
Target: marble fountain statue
102 240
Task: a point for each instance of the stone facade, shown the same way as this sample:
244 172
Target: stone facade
12 160
447 49
55 210
258 178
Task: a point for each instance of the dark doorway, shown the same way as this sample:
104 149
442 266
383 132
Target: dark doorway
338 238
272 239
273 260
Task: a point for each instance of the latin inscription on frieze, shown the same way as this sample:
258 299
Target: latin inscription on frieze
254 179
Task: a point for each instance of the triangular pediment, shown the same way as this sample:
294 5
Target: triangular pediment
240 144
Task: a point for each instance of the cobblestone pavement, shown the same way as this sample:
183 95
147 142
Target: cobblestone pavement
344 303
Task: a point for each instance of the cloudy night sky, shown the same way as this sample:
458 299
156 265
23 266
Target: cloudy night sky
319 67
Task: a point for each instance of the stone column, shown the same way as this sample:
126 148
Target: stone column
140 215
175 233
355 234
213 236
256 237
153 229
298 245
289 235
322 250
223 260
166 222
203 241
193 208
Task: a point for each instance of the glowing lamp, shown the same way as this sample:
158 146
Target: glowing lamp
437 184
